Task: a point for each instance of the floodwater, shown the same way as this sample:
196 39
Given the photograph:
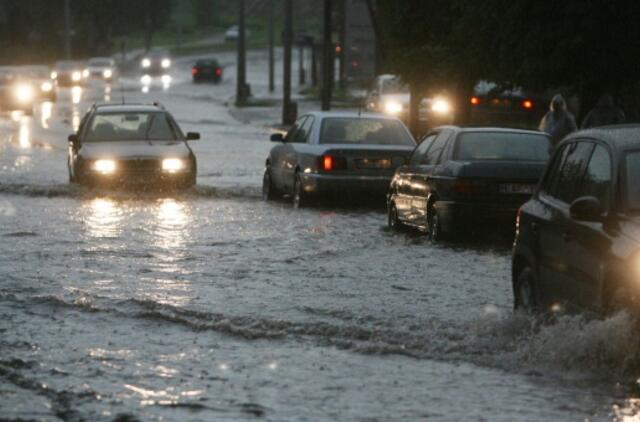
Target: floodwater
213 305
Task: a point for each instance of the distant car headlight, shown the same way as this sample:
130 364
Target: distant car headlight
86 73
145 79
54 75
105 166
46 87
76 76
24 93
393 107
172 165
146 63
165 63
107 73
440 106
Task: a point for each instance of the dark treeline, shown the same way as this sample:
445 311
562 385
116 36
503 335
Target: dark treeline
577 47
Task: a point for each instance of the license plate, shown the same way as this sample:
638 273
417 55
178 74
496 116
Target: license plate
524 188
373 163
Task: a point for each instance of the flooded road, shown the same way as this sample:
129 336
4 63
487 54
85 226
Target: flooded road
213 305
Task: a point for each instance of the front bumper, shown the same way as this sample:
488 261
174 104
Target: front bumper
321 184
137 173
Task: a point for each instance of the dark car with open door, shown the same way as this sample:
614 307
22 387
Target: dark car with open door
459 179
578 239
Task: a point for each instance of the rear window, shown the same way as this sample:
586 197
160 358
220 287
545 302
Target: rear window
366 131
130 127
502 146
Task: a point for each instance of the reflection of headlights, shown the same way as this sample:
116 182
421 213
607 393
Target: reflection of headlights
54 75
441 106
393 107
86 73
76 76
166 79
146 79
24 93
165 63
107 73
46 87
146 63
105 166
172 165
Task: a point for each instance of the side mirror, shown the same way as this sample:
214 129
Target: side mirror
193 136
586 208
277 137
73 138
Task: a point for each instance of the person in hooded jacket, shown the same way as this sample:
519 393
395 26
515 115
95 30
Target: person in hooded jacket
558 122
604 113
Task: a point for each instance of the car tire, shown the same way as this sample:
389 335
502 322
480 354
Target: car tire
269 192
392 218
299 197
434 223
524 291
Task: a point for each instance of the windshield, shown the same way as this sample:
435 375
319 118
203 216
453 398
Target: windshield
364 131
100 62
394 86
502 146
153 126
632 165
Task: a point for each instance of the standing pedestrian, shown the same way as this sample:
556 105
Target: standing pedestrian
558 122
604 113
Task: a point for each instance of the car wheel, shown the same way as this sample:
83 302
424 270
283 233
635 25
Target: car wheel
269 193
524 291
435 231
300 198
392 218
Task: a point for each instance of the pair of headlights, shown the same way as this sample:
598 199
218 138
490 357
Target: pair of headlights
165 63
438 105
169 165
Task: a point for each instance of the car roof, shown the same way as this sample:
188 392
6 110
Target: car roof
348 114
475 129
128 108
618 137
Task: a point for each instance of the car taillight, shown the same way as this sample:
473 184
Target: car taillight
474 101
527 104
218 72
194 71
467 186
331 163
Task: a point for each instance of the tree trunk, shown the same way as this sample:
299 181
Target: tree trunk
414 108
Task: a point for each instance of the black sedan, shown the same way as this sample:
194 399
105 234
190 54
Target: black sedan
206 71
336 153
578 240
461 178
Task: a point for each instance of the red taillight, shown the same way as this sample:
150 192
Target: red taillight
331 163
527 104
218 72
194 70
474 100
327 163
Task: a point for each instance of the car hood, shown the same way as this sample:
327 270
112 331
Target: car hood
134 149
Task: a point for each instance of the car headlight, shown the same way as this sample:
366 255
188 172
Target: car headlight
440 106
145 79
46 87
165 63
393 107
172 165
105 166
146 63
107 73
86 73
24 93
76 76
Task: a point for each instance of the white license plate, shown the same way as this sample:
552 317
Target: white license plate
524 188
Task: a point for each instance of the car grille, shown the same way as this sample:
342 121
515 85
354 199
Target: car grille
141 166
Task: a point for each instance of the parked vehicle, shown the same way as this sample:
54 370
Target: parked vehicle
341 153
131 145
156 61
458 179
101 68
578 238
233 32
207 70
68 73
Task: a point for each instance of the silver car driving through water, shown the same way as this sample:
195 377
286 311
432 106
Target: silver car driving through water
131 145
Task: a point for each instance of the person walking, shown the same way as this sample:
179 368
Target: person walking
558 122
604 113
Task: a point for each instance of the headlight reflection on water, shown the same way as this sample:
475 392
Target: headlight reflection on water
46 111
104 218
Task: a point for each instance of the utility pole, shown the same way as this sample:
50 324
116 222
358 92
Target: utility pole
288 107
342 78
327 58
67 29
241 79
272 84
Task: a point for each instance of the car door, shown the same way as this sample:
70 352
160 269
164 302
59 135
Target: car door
404 192
281 157
588 243
424 180
553 225
292 152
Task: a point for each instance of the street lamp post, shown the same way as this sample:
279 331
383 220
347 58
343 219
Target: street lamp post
327 58
241 83
288 107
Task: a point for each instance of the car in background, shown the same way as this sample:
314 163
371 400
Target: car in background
101 68
336 153
39 76
458 179
578 238
507 105
233 32
17 93
68 73
131 145
206 70
156 61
